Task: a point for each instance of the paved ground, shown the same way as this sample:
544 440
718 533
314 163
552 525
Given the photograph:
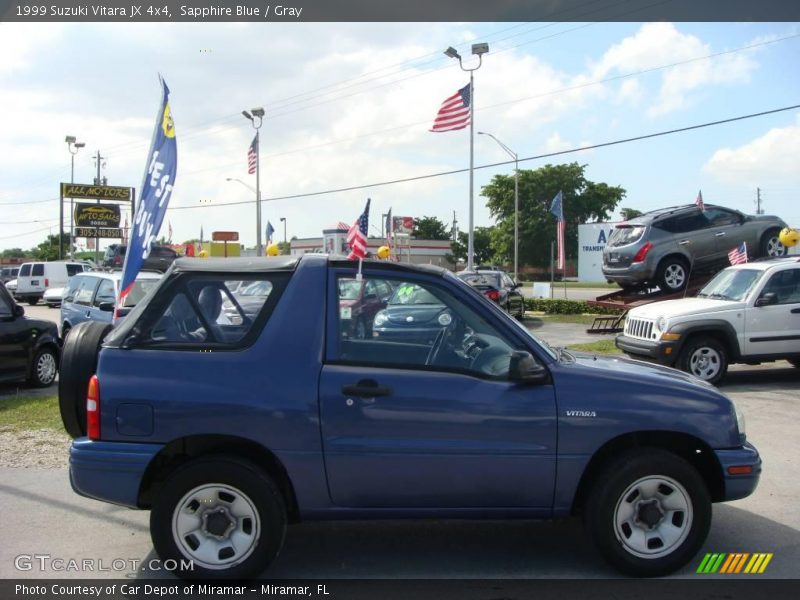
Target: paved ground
41 515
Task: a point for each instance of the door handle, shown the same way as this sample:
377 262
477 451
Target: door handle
795 311
684 242
719 234
366 388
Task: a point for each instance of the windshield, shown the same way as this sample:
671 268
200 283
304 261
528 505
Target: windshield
625 234
256 288
731 284
480 279
140 289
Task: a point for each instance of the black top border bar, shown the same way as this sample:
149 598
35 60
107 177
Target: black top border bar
168 11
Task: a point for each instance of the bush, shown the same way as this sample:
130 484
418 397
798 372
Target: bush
567 307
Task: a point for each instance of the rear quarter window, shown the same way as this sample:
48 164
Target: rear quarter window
38 270
626 234
25 271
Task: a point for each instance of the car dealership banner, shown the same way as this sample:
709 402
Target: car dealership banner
96 215
592 238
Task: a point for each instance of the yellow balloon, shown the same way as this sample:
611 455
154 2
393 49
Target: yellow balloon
203 254
789 237
273 250
384 252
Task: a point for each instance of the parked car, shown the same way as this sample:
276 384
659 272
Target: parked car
37 277
52 296
359 302
498 287
748 313
92 297
11 286
8 273
159 259
666 247
227 431
413 314
28 347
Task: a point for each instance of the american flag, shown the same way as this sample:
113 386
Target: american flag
557 208
454 112
251 156
357 235
737 256
699 201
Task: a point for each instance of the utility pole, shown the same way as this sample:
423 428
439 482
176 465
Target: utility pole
758 201
98 181
455 227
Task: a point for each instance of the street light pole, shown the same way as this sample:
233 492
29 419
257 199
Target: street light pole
516 199
283 219
71 143
255 119
478 49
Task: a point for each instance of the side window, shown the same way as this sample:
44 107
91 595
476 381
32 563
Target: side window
38 270
85 290
719 217
74 270
105 293
507 281
785 285
421 326
202 309
25 270
69 295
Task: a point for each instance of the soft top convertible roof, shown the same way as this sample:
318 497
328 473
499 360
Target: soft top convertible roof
235 264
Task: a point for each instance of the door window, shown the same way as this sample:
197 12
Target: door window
785 285
105 293
684 223
422 326
74 270
84 292
719 217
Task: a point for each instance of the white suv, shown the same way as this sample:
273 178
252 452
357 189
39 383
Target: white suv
748 313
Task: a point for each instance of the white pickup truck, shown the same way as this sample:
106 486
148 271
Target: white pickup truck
748 313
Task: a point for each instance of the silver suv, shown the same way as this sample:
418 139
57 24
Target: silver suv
667 246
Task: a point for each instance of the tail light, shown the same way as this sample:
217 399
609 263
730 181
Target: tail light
93 409
642 253
493 295
46 282
117 261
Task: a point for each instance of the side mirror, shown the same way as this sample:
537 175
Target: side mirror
524 368
767 299
19 310
106 306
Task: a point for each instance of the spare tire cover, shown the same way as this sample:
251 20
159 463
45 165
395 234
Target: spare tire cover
78 364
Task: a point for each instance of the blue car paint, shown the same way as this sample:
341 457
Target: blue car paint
444 444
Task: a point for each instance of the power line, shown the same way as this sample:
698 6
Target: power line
509 162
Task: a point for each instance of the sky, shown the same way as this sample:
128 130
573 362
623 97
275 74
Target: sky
351 104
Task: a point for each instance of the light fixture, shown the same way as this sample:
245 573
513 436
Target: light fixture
480 49
70 139
452 53
258 112
247 115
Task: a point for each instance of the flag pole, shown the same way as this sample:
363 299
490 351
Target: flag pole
358 275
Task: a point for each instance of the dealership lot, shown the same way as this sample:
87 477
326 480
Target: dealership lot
44 517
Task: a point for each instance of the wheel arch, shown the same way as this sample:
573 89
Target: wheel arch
690 448
49 344
722 331
178 452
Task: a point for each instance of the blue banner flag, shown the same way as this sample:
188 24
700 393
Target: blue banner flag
159 178
270 231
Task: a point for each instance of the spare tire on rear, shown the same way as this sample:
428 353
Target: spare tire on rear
78 364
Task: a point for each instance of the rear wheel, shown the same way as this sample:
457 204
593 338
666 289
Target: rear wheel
78 364
33 301
222 513
44 368
771 245
704 357
673 275
648 513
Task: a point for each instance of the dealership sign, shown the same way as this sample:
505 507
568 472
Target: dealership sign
96 215
101 232
95 192
225 236
402 224
592 238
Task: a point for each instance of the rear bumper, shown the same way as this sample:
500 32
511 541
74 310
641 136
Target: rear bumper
635 273
110 471
665 353
740 486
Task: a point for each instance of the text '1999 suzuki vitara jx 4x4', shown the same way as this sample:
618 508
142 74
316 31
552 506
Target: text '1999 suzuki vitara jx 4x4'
241 395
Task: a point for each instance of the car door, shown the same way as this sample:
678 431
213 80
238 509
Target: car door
14 340
514 297
82 300
726 225
775 328
105 293
691 234
405 425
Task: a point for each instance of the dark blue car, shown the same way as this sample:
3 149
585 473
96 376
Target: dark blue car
228 427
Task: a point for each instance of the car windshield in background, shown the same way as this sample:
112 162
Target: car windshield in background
141 287
409 293
349 289
480 279
625 234
731 284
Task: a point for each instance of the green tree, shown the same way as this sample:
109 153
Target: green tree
13 253
482 241
285 247
629 213
583 201
430 228
48 249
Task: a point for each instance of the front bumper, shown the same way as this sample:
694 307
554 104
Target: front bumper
110 471
740 486
665 353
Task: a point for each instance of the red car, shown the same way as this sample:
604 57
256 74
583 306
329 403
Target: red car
359 301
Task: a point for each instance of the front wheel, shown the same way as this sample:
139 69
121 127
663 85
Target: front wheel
44 368
648 513
771 245
704 357
218 517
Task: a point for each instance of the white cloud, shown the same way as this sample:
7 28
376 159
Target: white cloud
20 42
769 157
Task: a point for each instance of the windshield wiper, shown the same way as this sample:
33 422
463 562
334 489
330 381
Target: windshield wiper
720 296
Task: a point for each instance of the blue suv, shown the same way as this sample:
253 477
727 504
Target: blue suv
228 424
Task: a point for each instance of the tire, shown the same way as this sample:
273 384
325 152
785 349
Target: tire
672 275
78 364
33 301
210 484
705 358
44 368
771 246
648 512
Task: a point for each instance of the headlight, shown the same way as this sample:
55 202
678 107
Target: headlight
445 319
740 424
380 319
661 324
